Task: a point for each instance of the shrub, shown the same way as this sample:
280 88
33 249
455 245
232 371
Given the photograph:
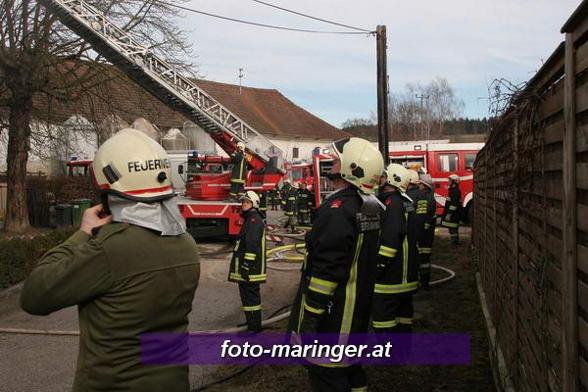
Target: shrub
19 255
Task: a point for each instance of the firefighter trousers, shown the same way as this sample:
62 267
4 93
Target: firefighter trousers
425 251
303 217
454 234
341 379
251 301
392 313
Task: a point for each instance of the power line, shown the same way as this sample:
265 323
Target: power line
276 27
313 17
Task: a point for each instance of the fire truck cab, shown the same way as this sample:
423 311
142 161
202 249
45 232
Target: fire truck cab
440 158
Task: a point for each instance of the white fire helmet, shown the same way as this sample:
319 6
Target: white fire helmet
454 177
398 176
132 165
426 180
414 176
361 163
241 146
252 197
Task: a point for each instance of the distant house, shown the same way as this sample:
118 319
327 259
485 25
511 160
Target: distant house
118 102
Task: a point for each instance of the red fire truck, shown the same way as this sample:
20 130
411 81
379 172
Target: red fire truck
440 158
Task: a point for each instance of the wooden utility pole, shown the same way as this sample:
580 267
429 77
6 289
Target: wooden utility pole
383 128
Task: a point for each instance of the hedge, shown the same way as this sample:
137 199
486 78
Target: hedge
19 255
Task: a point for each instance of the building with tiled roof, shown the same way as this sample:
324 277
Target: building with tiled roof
292 128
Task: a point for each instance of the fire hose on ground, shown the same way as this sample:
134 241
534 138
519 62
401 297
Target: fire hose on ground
274 255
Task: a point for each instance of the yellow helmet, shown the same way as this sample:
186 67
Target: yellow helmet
398 176
252 197
132 165
361 163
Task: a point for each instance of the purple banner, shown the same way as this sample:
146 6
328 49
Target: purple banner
324 349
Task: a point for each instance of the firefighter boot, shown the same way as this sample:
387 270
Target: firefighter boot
253 321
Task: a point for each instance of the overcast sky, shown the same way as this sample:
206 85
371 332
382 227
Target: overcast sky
469 42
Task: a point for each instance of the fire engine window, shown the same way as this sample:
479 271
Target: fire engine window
447 162
296 174
469 161
295 152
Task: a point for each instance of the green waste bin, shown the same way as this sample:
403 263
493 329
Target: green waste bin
78 207
63 215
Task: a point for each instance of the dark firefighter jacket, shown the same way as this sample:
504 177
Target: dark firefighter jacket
304 200
340 265
250 249
426 208
290 198
398 246
263 196
239 171
284 193
452 207
126 281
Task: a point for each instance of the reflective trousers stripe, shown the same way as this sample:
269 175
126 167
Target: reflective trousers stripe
252 308
395 288
322 286
387 251
404 320
384 324
312 309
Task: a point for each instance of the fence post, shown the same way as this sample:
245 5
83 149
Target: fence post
569 301
515 245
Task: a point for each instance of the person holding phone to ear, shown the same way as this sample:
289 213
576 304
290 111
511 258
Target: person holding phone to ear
131 269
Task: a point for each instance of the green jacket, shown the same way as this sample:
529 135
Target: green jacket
126 281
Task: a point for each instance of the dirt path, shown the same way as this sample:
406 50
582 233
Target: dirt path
451 307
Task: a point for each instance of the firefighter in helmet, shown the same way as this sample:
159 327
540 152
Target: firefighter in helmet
303 204
131 268
426 208
239 171
339 268
397 277
452 210
290 204
413 186
248 262
286 187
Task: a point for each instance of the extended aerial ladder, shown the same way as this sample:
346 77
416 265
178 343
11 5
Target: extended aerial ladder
204 216
165 82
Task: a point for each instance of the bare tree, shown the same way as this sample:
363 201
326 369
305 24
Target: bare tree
420 111
41 57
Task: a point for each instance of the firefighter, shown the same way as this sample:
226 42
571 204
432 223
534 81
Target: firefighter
274 198
397 277
452 209
239 172
290 207
413 186
248 261
338 273
263 196
284 193
426 208
303 204
131 268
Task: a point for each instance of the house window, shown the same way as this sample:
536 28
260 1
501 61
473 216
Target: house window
295 152
447 162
